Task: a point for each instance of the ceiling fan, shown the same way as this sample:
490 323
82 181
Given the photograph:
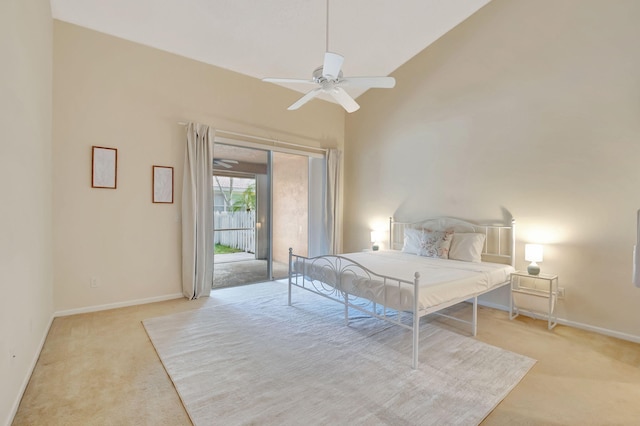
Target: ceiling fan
330 80
227 164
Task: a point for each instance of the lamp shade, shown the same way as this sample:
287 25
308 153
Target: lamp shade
533 252
375 236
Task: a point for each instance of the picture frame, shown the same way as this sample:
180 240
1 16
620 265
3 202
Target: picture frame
104 167
162 191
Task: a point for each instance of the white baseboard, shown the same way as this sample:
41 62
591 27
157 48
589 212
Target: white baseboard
600 330
493 305
27 377
582 326
97 308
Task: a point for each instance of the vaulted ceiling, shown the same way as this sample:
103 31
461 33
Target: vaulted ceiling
277 38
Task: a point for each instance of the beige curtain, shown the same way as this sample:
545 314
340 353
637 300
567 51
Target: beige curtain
332 201
197 212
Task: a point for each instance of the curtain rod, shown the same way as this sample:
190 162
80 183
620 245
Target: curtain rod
273 141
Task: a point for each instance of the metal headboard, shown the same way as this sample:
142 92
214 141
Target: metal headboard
499 244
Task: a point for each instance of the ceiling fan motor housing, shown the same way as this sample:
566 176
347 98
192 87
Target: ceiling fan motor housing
319 77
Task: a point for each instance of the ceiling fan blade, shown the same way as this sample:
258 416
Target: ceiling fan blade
306 98
344 99
221 164
377 82
332 65
288 80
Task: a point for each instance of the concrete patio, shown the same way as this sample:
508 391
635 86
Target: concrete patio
243 268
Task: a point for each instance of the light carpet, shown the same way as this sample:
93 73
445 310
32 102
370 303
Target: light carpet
264 362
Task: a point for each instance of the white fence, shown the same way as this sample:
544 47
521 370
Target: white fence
235 230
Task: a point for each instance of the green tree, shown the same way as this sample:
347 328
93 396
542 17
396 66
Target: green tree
245 201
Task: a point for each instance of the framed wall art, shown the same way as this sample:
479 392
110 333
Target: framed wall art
104 167
162 184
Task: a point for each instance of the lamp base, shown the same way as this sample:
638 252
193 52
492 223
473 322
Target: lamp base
533 269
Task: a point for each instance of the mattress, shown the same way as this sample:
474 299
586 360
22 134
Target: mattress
441 280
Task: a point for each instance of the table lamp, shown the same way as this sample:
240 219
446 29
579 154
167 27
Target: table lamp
533 253
374 241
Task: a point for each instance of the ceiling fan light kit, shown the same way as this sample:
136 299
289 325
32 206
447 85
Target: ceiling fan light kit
330 80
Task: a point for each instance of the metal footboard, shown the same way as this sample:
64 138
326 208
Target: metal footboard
347 282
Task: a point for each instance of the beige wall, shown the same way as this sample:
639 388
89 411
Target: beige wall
529 109
114 93
26 271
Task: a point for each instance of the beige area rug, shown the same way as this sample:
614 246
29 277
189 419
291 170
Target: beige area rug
263 362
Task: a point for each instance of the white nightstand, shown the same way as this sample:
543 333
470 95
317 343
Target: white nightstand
536 294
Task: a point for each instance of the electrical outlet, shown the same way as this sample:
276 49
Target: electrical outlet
94 282
560 292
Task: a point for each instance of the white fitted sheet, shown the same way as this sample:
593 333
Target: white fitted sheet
441 280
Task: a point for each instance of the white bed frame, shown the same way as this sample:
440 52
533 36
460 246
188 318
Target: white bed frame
499 247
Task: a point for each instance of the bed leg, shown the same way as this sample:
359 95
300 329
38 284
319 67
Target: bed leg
290 259
346 309
416 319
474 321
416 334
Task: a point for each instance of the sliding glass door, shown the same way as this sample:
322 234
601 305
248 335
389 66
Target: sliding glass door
262 203
241 250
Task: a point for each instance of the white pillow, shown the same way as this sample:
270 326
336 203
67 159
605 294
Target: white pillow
467 247
427 243
411 240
